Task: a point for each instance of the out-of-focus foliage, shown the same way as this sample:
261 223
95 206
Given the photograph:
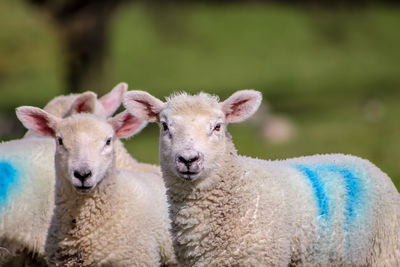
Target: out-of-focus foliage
334 72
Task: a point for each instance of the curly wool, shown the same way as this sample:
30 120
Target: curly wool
112 226
26 210
267 213
27 201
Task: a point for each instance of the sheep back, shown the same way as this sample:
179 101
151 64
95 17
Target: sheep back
20 161
339 208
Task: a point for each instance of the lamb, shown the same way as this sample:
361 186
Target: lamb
27 179
103 216
65 105
231 210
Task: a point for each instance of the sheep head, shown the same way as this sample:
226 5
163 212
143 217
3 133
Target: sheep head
193 128
84 143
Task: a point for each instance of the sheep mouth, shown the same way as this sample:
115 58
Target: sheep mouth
84 189
188 175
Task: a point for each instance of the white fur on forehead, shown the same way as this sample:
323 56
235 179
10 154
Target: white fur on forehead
184 102
84 122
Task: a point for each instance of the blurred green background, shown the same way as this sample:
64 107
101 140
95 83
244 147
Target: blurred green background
330 76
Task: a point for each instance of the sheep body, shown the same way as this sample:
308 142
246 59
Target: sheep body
111 217
230 210
27 198
342 210
318 210
27 193
27 202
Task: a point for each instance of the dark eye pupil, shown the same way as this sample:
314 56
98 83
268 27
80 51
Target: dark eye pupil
108 141
60 141
217 127
165 126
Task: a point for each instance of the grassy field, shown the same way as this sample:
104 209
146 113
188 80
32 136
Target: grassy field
334 73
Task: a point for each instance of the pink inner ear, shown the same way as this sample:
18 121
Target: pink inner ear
236 108
148 110
128 125
113 99
111 104
82 107
40 124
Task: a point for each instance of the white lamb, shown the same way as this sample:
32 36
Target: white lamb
229 210
66 105
27 179
103 216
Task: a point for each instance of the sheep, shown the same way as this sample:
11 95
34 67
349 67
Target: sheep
231 210
27 179
103 216
65 105
27 175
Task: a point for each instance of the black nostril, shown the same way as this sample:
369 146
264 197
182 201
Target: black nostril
82 175
182 159
189 161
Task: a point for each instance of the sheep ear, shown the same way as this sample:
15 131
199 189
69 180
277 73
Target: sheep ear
38 120
143 105
125 124
241 105
113 99
84 103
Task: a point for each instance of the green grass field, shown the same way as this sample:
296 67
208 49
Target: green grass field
321 68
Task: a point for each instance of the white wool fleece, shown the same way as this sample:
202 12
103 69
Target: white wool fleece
230 210
102 216
27 178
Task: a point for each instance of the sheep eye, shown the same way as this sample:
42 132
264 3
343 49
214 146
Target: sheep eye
60 141
165 126
108 141
217 127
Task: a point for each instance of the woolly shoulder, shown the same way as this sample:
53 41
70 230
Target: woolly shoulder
261 170
27 148
143 185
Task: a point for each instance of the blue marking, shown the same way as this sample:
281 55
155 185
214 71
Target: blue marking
318 189
353 189
352 184
8 178
339 186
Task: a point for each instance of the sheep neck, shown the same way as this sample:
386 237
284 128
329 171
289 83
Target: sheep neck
211 218
78 204
77 217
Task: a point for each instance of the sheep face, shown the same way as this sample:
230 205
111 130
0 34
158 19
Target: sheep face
84 142
84 151
193 135
191 143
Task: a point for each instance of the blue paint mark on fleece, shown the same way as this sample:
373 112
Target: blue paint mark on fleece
353 189
8 179
318 188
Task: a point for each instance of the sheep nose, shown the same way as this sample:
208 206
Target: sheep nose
82 175
188 160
